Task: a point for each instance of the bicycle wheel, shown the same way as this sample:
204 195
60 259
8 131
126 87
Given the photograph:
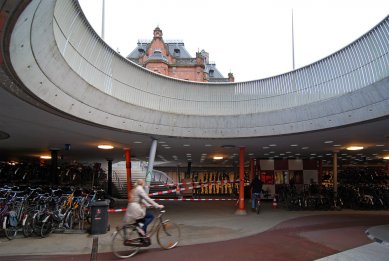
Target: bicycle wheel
28 228
118 239
168 235
9 230
46 228
258 207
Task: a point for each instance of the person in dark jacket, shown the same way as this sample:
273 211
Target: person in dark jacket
256 190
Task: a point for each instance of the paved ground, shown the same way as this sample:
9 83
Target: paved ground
211 230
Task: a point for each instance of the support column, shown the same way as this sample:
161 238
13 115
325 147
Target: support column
128 171
251 176
320 172
335 172
188 170
109 188
242 209
149 173
54 166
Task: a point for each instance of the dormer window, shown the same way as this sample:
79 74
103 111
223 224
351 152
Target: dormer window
177 51
157 51
141 50
211 72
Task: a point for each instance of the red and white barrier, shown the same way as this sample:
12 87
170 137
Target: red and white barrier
222 182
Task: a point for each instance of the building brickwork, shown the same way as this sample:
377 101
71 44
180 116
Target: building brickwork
170 58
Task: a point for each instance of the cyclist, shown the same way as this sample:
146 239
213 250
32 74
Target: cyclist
137 208
256 190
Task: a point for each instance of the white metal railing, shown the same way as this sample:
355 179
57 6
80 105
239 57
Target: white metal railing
358 65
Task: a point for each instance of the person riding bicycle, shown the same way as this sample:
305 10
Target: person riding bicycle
137 208
256 190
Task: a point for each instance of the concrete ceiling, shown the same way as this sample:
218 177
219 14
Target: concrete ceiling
27 132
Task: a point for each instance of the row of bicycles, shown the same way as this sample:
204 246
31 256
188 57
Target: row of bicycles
40 211
358 197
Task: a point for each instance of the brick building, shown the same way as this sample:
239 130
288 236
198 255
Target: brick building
172 59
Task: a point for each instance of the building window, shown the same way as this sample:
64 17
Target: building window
211 72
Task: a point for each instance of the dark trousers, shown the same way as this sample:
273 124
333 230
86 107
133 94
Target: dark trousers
148 219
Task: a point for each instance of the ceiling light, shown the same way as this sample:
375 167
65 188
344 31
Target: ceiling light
336 145
305 148
45 157
294 145
217 157
355 148
380 145
329 141
137 142
186 145
272 145
208 145
386 157
105 147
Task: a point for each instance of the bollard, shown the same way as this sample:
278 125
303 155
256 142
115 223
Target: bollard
95 245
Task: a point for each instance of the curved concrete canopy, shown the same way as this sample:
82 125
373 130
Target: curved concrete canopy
68 70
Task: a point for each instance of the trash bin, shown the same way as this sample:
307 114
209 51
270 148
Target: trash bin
99 217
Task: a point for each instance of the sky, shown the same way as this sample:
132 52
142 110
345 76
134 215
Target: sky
250 38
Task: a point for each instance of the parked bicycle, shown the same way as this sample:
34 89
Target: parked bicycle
127 241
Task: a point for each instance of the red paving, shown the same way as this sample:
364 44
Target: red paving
304 238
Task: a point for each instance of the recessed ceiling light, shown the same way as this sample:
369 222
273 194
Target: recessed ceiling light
217 157
336 145
328 141
305 148
45 157
294 145
208 145
355 148
186 145
272 145
251 154
138 142
380 145
265 148
386 157
161 142
105 147
168 147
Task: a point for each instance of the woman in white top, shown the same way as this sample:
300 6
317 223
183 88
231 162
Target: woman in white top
136 209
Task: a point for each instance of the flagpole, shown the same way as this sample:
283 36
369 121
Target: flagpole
103 21
293 41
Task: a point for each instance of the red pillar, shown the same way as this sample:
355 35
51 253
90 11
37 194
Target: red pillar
128 170
242 209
